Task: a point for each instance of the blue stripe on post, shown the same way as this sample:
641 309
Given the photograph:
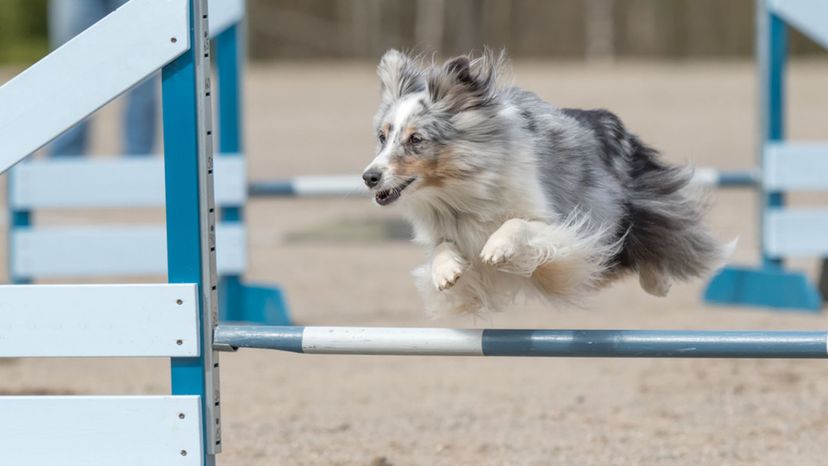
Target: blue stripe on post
228 72
184 262
17 219
773 82
655 344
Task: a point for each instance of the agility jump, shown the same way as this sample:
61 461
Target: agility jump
179 320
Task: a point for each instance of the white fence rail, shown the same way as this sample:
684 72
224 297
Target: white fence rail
100 431
112 182
55 252
98 321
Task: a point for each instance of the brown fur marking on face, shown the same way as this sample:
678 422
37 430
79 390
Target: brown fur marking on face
410 165
433 171
407 132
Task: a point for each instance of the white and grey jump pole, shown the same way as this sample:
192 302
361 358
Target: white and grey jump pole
346 185
536 342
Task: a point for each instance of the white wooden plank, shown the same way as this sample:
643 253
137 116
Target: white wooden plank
225 13
808 16
796 232
326 185
87 72
796 166
98 321
112 182
126 250
100 431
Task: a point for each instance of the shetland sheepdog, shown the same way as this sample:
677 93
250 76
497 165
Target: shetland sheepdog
512 195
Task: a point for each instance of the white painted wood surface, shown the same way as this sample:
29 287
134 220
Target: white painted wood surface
808 16
225 13
87 72
796 232
135 250
100 431
112 182
98 321
796 166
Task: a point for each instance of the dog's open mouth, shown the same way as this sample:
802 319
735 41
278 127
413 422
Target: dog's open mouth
390 195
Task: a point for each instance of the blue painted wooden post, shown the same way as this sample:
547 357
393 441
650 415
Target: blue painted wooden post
18 219
239 301
774 43
228 70
185 258
769 285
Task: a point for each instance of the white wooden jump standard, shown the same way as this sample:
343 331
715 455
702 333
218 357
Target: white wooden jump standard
130 182
172 320
100 321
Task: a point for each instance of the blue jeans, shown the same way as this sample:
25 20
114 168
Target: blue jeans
67 18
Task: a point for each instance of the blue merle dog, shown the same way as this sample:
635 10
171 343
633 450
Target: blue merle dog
512 195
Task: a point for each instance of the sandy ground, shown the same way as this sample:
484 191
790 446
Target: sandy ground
285 409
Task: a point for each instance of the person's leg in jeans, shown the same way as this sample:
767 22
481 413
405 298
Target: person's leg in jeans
139 119
66 20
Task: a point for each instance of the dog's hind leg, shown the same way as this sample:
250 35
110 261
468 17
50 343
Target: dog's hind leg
562 260
654 281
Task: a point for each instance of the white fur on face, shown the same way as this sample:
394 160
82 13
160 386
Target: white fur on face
401 113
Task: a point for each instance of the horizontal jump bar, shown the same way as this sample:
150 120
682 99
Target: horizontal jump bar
347 185
506 342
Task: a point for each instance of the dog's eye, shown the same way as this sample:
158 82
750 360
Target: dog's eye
381 137
415 138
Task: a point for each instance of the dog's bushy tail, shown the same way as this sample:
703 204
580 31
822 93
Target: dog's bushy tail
665 212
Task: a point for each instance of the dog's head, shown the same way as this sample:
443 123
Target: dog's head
430 123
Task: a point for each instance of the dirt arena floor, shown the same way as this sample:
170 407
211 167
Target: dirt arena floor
286 409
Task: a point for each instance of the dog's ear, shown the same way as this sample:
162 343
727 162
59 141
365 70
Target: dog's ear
399 75
465 83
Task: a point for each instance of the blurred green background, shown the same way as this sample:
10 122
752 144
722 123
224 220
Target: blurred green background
23 36
558 29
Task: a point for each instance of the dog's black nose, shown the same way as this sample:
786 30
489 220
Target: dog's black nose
371 178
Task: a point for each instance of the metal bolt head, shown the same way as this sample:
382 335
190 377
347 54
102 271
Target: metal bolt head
173 39
181 416
183 452
179 301
179 342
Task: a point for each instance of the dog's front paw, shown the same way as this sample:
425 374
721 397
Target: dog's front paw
498 250
504 243
445 271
